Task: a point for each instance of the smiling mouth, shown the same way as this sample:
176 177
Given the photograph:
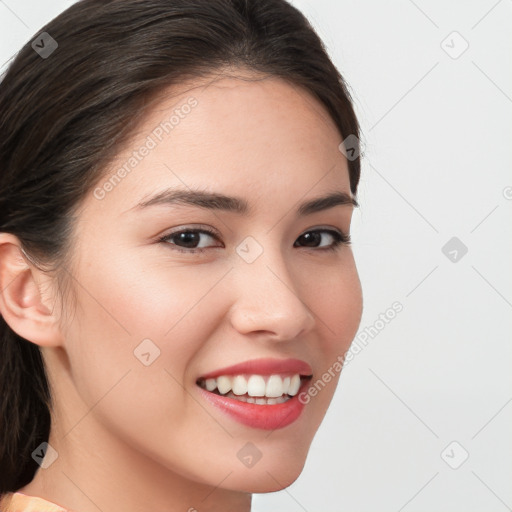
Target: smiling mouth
254 388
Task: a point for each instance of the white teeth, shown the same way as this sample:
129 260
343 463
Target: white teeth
259 386
286 385
294 385
239 385
274 386
223 384
256 386
258 401
211 384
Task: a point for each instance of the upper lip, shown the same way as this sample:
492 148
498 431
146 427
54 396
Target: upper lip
263 367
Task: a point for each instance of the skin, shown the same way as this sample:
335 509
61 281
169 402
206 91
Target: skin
135 438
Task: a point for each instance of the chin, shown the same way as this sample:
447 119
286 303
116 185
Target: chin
268 478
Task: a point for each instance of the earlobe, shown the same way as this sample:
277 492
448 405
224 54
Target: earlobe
22 304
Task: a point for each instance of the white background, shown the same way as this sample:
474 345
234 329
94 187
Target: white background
437 132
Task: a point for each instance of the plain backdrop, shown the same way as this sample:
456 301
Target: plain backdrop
422 417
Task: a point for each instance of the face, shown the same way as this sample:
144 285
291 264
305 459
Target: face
172 292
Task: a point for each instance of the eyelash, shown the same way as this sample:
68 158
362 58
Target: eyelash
340 239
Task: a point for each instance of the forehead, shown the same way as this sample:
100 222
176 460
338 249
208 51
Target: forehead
250 136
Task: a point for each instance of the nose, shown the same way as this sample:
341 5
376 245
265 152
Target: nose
268 300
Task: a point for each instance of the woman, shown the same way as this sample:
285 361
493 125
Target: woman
177 283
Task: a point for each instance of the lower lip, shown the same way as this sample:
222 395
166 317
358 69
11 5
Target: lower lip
265 417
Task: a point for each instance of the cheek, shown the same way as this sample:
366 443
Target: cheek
337 303
335 297
130 313
134 300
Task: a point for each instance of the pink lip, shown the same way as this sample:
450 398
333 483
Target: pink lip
263 367
266 417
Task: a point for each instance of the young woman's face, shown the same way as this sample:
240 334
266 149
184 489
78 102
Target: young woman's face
157 311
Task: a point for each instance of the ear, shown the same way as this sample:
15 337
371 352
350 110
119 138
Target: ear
23 305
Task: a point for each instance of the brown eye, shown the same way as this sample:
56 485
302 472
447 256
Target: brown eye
313 238
187 240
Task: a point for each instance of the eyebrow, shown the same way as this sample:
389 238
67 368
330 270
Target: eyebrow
216 201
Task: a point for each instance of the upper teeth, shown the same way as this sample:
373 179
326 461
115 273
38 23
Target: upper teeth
255 385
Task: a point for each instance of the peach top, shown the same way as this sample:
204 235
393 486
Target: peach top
18 502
